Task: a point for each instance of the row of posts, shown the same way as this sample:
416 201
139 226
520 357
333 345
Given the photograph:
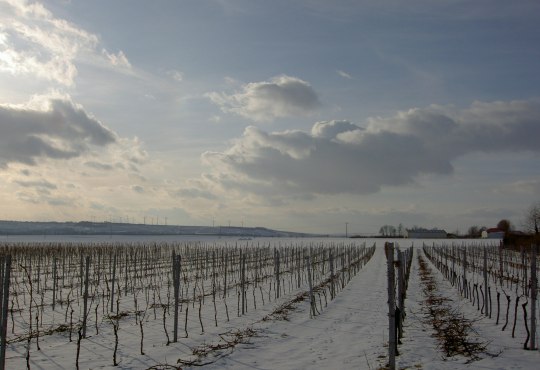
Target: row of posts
533 280
533 287
5 275
396 306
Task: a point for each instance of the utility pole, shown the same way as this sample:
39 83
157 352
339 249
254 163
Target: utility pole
346 229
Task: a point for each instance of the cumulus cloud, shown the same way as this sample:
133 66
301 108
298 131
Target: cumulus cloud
33 42
55 128
342 157
331 129
282 96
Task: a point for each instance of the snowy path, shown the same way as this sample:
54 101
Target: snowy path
420 349
349 333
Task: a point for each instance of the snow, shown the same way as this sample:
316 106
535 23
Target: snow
350 332
353 333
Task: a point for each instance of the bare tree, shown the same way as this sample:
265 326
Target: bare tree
387 230
474 232
532 219
504 225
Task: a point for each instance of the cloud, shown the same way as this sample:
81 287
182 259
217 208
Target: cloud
35 43
132 151
344 74
528 187
44 184
62 202
194 193
176 75
99 166
138 189
119 59
282 96
341 157
331 129
53 128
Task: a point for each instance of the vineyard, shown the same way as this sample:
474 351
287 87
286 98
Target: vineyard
72 305
268 303
501 283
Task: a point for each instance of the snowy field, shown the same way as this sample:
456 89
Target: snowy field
349 331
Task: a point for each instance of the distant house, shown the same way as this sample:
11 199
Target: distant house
493 233
426 234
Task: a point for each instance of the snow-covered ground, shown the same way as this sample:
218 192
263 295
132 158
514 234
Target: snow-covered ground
351 332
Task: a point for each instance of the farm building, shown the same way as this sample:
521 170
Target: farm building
493 233
426 234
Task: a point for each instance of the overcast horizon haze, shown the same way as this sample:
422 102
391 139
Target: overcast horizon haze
299 115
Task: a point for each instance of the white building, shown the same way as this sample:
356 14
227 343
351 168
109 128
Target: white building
493 233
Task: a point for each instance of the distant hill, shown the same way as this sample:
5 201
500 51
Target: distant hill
113 228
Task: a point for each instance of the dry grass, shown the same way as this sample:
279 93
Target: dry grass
452 329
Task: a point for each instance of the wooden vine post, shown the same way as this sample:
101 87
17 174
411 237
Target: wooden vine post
113 281
85 296
243 280
486 301
401 292
176 287
465 284
54 283
534 291
4 302
392 342
332 286
311 296
501 263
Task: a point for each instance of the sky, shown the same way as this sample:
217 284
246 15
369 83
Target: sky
299 115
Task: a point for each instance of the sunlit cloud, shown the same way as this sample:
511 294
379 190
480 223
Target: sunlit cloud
34 43
281 96
119 59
